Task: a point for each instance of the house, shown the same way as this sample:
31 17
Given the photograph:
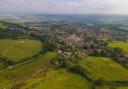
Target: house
74 40
126 55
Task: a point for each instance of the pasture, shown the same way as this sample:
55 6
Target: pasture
2 66
104 68
102 87
120 44
57 79
2 26
125 28
108 87
9 76
122 87
19 50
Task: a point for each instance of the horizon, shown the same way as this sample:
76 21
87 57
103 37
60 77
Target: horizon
59 14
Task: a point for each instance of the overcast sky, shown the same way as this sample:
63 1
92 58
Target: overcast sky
66 6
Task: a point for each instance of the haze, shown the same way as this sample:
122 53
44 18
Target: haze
65 6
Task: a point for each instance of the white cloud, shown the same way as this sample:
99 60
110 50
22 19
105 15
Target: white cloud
65 6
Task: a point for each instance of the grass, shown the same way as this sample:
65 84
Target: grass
122 87
2 66
121 44
2 26
57 79
104 68
108 87
125 28
102 87
18 50
8 77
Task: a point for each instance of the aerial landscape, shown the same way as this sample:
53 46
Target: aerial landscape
63 44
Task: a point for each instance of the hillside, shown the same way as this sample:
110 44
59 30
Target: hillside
11 75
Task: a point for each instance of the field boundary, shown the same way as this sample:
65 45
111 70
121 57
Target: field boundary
25 62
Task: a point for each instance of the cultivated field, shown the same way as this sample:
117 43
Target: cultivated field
57 79
10 76
121 44
19 50
104 68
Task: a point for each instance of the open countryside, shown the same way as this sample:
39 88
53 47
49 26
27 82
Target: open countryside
104 68
19 50
62 79
63 44
12 75
120 44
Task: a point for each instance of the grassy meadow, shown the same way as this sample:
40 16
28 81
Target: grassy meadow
2 26
57 79
102 87
2 66
18 50
104 68
10 76
108 87
121 44
125 28
122 87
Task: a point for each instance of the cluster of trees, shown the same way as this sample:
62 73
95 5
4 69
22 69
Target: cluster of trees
72 64
6 61
93 43
47 44
111 84
11 34
114 53
12 31
100 48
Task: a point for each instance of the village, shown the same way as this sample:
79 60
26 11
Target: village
69 41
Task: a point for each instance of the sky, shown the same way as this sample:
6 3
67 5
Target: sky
65 6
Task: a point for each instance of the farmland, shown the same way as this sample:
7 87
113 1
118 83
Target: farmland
122 87
109 87
2 66
58 79
9 76
121 44
40 52
103 87
2 26
124 28
104 68
19 50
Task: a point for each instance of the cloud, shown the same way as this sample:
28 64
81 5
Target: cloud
65 6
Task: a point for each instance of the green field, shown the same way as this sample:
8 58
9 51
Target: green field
102 87
57 79
18 50
8 77
104 68
2 26
116 87
121 44
125 28
2 66
122 87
